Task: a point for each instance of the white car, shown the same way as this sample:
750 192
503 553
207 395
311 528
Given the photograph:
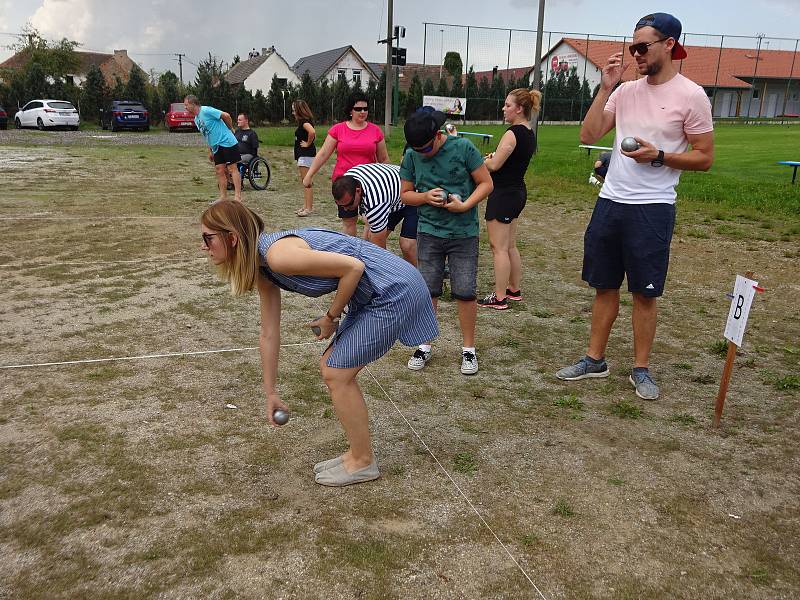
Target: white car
47 113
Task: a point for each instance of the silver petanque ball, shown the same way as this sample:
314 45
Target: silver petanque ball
281 417
629 144
451 197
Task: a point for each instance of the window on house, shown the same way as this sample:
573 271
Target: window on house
341 74
357 76
755 94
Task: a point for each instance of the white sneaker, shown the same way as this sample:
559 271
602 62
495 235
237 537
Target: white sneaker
418 360
469 363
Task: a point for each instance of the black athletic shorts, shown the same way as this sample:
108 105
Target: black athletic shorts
506 203
628 240
227 156
408 215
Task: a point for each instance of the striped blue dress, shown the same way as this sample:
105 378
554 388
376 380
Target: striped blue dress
390 303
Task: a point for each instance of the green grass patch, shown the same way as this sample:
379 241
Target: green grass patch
563 508
464 462
719 348
683 419
625 410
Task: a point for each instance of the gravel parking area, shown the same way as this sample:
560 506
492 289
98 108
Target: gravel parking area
97 137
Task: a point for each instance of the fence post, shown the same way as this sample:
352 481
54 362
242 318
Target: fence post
789 80
585 63
546 75
508 59
424 44
755 72
716 77
466 64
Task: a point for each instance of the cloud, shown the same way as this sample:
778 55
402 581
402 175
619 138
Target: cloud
64 18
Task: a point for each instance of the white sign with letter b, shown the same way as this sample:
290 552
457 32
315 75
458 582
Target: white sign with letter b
743 294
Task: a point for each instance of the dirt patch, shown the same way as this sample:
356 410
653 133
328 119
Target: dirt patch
133 480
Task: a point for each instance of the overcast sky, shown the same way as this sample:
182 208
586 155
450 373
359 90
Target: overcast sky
152 30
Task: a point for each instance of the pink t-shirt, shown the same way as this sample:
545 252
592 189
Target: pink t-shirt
353 147
662 115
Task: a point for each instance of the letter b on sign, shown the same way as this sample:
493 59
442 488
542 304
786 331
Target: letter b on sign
740 308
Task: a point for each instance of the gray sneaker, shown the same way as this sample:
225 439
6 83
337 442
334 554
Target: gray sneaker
583 369
645 387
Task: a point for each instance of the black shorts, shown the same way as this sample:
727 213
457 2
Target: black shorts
227 156
407 214
628 240
506 203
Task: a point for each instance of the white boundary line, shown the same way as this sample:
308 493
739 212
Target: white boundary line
147 356
463 495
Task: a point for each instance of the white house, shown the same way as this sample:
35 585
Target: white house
257 71
339 63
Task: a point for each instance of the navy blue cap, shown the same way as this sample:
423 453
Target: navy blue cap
669 27
422 125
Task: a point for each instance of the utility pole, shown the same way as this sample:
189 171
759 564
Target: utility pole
537 74
180 65
387 121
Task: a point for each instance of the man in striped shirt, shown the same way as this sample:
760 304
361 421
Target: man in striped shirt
374 189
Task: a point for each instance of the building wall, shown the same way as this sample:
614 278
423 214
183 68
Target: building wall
349 63
565 56
765 100
261 79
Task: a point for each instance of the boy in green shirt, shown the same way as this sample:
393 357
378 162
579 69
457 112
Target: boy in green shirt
445 177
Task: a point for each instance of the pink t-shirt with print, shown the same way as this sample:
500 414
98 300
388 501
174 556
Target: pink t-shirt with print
662 115
354 147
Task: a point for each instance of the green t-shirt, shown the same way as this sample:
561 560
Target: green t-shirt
450 169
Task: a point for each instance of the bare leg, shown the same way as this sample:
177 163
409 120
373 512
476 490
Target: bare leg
222 181
515 277
308 193
467 315
644 318
409 248
349 226
236 177
351 411
499 234
604 313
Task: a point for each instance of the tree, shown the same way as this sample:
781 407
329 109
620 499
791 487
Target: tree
414 96
443 89
135 89
118 92
308 92
457 91
341 93
95 94
169 87
380 99
275 100
471 89
453 65
324 98
372 99
428 89
259 108
35 81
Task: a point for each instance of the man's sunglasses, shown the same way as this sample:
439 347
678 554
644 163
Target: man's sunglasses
425 149
207 237
361 108
642 47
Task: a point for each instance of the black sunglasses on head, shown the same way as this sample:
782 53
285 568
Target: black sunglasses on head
642 47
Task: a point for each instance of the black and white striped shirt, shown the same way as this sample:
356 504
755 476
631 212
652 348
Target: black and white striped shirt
381 193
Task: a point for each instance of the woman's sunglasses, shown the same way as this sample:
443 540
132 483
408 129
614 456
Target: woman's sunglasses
642 47
361 108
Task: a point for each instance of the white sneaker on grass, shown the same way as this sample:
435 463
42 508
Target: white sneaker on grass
418 360
469 363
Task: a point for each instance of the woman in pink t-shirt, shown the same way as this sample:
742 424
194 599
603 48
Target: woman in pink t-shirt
356 142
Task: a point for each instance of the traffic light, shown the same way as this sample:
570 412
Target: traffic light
399 57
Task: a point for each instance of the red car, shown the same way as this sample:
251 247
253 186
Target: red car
178 118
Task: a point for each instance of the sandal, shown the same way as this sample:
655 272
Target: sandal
303 212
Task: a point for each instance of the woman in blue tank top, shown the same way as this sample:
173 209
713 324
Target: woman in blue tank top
385 297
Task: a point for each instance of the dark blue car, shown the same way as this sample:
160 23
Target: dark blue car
125 114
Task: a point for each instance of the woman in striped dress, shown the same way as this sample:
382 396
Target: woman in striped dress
385 297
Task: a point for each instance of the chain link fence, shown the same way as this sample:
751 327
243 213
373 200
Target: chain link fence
746 78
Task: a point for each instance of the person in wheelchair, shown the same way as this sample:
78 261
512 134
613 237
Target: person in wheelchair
247 143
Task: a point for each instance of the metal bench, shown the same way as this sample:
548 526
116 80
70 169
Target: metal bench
791 163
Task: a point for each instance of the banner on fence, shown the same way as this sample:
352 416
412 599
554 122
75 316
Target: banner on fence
449 106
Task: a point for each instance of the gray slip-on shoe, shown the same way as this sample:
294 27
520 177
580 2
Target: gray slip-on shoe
644 384
583 369
339 477
327 464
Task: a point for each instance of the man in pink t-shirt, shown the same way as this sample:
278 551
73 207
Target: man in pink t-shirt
631 227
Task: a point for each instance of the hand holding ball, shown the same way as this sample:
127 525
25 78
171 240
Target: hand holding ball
629 144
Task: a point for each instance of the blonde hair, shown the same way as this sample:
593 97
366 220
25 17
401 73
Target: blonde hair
240 266
529 100
302 110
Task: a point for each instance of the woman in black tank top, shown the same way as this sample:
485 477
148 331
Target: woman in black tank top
508 165
304 150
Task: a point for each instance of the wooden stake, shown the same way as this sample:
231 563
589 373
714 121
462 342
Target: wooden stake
723 384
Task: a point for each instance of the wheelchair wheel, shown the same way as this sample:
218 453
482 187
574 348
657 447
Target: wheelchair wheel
259 173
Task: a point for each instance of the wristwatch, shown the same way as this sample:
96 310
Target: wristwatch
658 161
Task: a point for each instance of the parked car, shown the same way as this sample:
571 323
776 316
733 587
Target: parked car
125 114
178 118
3 118
47 113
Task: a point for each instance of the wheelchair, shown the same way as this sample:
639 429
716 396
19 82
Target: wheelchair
257 172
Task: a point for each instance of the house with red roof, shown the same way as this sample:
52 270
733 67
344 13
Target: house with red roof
118 64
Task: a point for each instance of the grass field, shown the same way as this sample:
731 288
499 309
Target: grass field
131 479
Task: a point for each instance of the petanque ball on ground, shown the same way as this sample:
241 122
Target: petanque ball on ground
629 144
281 417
